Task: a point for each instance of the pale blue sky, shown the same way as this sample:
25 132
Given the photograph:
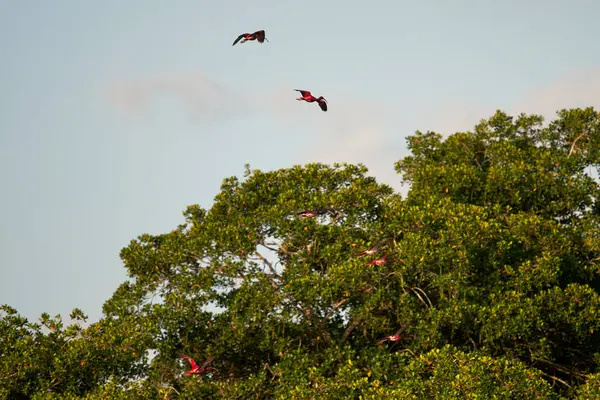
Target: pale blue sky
84 171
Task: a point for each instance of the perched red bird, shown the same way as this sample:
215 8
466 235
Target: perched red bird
395 337
258 35
309 98
379 261
307 214
195 369
314 213
373 249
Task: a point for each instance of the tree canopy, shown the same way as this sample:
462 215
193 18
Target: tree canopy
484 282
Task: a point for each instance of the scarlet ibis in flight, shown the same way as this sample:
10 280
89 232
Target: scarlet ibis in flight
309 98
195 369
379 261
373 249
246 37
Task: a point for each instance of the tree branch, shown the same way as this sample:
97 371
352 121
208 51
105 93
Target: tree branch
575 141
554 378
419 296
8 376
274 374
265 245
349 330
559 367
267 263
333 309
305 310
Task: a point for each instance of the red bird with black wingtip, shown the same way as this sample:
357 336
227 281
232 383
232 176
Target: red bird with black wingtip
379 261
195 369
373 249
246 37
309 98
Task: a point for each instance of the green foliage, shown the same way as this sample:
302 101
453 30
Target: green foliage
67 360
590 389
511 162
491 280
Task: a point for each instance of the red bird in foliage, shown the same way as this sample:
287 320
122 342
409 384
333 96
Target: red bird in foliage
258 35
309 98
373 249
395 337
195 369
379 261
314 213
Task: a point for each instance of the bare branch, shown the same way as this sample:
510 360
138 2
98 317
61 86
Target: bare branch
408 351
333 309
173 389
307 311
474 154
8 376
419 296
274 374
558 380
559 367
349 330
554 378
267 263
266 246
575 141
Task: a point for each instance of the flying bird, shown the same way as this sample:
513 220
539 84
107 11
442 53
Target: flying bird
373 249
245 37
195 369
309 98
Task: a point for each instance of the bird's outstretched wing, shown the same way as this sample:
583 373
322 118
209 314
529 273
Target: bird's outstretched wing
260 36
191 361
375 248
306 214
323 105
378 261
239 38
304 93
208 361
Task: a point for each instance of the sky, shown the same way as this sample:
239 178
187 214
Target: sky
117 115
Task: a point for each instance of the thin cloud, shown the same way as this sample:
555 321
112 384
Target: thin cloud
578 88
204 98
